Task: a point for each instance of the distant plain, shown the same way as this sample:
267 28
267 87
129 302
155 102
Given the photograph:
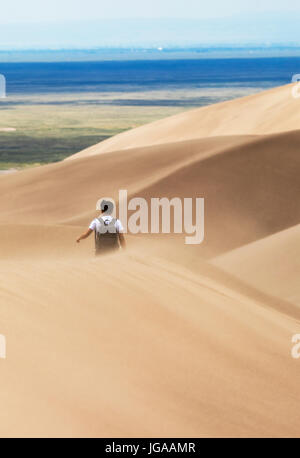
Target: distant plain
60 108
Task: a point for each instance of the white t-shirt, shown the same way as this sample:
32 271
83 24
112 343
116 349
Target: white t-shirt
95 224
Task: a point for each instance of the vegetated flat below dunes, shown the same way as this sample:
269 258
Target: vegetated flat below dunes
136 345
267 112
249 185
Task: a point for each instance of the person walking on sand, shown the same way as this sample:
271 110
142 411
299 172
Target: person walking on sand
108 231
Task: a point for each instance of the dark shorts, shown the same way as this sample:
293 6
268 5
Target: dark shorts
106 243
106 250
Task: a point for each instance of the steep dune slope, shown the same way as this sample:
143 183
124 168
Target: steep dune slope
267 112
66 190
271 264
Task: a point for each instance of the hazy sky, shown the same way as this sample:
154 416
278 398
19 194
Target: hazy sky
63 10
33 24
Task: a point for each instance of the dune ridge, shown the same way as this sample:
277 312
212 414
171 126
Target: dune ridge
271 264
268 112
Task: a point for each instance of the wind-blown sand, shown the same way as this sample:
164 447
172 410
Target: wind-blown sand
163 339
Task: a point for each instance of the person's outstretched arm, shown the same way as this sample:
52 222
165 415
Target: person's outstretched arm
84 235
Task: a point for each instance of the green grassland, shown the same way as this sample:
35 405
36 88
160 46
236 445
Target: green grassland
50 128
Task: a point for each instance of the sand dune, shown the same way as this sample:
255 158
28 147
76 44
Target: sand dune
94 344
268 112
271 264
243 180
162 339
